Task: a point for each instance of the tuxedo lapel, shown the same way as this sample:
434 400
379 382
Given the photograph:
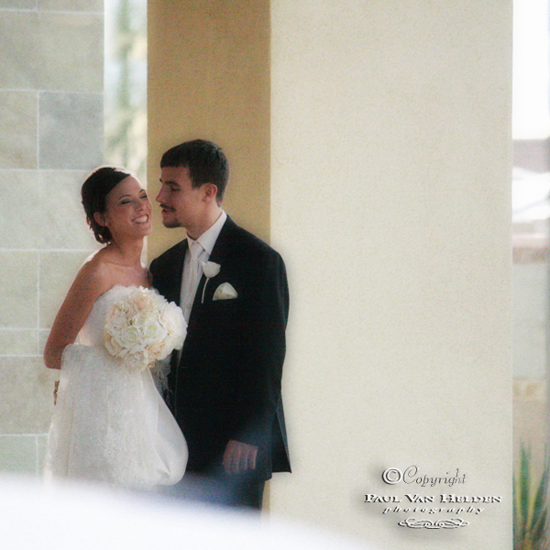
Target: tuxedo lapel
219 253
223 243
172 290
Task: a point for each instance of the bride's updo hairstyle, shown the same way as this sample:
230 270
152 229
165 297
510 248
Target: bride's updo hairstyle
94 192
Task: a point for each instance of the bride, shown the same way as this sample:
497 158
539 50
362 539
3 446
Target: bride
110 423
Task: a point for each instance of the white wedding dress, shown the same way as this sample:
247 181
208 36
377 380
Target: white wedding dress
110 424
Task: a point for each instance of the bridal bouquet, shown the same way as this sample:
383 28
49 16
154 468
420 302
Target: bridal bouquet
142 327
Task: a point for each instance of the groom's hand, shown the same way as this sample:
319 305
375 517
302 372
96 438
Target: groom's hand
239 457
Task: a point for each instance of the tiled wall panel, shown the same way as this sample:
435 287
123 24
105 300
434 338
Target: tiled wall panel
18 453
18 288
18 4
51 51
20 212
71 5
19 119
57 272
51 136
27 388
71 130
62 221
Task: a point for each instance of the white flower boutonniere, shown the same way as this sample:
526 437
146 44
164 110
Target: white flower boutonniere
210 269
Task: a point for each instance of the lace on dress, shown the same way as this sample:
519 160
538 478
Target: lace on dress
110 424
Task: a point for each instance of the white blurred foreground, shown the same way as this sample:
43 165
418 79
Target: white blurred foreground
79 517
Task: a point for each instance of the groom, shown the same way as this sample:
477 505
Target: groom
225 385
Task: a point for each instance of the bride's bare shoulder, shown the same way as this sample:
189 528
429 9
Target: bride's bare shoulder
95 276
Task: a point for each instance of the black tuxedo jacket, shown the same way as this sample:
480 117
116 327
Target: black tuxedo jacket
227 384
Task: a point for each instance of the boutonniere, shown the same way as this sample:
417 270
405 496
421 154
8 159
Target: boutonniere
210 269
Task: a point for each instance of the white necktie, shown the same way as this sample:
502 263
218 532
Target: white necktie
191 277
195 250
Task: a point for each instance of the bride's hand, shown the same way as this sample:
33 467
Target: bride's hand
55 389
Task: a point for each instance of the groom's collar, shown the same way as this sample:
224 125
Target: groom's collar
208 239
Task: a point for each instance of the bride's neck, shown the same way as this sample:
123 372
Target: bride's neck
128 252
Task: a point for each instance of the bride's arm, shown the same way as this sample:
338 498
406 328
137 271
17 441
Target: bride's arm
89 284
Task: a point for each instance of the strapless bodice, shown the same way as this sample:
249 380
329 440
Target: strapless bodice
110 423
91 333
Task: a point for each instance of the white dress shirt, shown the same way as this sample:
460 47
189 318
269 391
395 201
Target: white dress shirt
197 255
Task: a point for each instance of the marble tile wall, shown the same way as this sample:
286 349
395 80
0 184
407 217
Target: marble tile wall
51 136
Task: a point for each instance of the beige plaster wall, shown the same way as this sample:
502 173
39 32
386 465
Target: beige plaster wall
390 202
388 129
209 78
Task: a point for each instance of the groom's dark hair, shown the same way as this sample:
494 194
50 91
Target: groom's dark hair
206 162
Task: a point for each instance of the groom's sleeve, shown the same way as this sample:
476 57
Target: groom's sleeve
265 317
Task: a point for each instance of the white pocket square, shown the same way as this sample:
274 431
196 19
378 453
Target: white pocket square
225 292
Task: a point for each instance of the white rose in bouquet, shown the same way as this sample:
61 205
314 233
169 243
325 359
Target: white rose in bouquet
153 331
175 324
142 327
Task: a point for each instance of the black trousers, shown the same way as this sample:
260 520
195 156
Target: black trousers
235 491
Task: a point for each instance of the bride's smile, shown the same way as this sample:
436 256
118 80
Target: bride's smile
128 210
